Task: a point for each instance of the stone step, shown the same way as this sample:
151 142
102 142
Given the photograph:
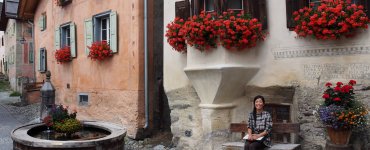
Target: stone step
240 146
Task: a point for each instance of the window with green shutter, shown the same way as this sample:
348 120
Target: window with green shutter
31 53
65 35
42 60
102 27
42 21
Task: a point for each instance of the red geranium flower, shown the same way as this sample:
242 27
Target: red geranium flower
336 99
100 50
328 84
63 55
330 20
176 35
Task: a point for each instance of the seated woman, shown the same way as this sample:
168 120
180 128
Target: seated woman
259 125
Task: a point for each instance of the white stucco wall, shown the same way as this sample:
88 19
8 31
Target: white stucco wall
284 71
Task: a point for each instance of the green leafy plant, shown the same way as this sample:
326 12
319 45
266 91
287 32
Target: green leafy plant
62 121
15 93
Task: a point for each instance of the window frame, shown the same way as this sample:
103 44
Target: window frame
65 35
97 26
43 60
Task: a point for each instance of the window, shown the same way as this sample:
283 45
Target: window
257 8
279 114
42 21
42 60
2 41
65 35
83 99
30 57
100 27
295 5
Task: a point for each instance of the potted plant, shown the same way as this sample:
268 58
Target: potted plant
176 36
63 55
61 121
100 50
341 112
332 19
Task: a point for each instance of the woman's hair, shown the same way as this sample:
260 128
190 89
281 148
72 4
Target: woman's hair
254 106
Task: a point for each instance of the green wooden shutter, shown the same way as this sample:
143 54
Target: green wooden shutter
72 28
43 22
57 38
113 32
40 23
88 35
39 61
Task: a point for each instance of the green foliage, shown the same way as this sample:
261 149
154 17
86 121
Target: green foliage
61 121
68 126
15 93
4 86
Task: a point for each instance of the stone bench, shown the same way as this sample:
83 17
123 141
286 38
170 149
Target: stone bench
277 128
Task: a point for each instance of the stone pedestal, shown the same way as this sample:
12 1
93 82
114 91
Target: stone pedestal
215 123
219 77
331 146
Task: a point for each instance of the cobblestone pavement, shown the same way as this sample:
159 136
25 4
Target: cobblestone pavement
12 116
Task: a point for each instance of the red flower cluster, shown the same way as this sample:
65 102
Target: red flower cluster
63 55
200 31
331 20
239 30
341 94
175 37
100 50
203 31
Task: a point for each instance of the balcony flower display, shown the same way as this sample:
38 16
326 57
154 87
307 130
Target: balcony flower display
331 20
63 55
100 50
176 37
207 30
60 120
341 112
200 31
239 30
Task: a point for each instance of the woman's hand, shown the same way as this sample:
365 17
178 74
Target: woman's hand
255 136
250 137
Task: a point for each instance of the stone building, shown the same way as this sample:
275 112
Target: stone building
209 90
113 89
18 59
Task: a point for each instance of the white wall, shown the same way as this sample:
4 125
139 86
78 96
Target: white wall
339 60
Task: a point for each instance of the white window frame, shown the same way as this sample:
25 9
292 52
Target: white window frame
98 26
65 35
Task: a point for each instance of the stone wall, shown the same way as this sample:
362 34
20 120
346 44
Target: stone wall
185 118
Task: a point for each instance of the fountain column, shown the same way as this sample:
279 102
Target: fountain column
47 96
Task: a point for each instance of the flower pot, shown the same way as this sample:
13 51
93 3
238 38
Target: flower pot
339 136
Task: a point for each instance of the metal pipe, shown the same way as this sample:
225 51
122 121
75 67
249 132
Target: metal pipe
146 84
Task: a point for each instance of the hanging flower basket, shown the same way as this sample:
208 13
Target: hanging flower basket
63 55
100 50
331 20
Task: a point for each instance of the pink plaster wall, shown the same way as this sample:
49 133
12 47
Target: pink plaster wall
115 86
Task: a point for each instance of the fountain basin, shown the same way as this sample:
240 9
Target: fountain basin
114 140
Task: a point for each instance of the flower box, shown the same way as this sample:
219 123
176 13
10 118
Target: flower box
100 50
63 55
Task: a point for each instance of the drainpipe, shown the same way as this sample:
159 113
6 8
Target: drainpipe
33 46
146 86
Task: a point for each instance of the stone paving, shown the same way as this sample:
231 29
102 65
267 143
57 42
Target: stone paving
12 116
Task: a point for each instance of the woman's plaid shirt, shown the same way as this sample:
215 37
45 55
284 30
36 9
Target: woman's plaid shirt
262 123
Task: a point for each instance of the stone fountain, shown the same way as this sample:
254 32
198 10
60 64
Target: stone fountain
95 135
